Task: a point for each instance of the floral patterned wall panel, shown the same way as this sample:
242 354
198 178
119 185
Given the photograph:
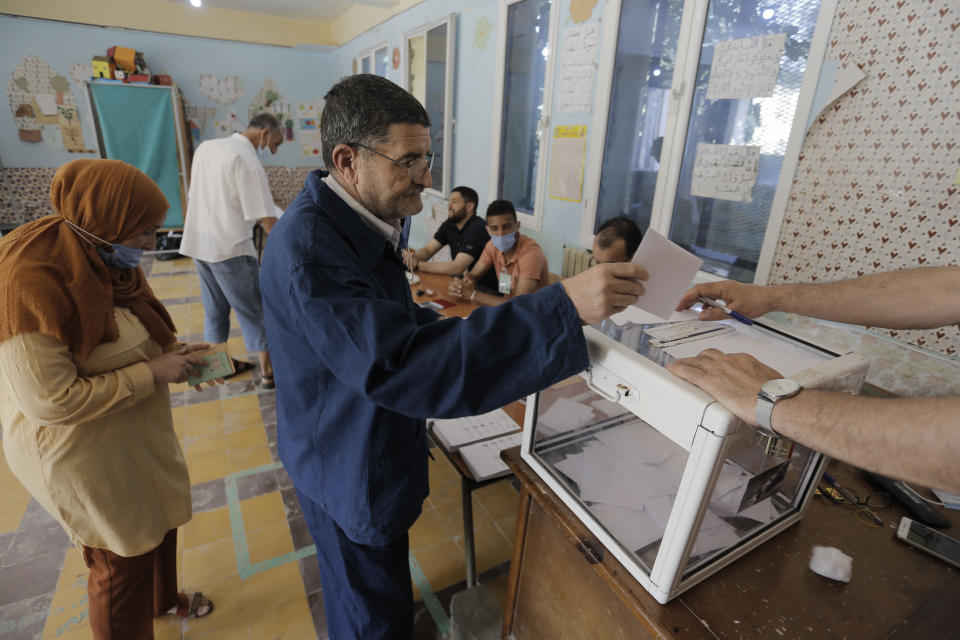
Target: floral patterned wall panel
874 189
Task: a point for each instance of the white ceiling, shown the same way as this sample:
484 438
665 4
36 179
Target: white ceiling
322 10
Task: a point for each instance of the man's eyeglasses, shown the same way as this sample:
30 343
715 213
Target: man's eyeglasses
416 168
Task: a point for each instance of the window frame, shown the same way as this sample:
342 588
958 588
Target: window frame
370 54
689 45
534 220
449 122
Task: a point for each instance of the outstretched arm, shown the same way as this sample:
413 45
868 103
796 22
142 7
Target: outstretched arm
915 439
909 299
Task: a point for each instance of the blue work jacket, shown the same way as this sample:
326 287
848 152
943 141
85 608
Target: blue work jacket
359 366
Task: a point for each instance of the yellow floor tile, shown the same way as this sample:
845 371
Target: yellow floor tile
445 497
204 528
167 628
236 347
74 572
443 565
269 542
243 438
12 513
208 466
500 499
289 620
206 444
452 521
491 548
232 630
249 458
84 632
269 589
228 606
428 531
508 527
262 511
68 611
442 472
209 563
241 413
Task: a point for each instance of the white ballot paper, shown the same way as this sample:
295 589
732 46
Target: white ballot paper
671 270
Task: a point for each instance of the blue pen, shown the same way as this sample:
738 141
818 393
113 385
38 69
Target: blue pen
733 314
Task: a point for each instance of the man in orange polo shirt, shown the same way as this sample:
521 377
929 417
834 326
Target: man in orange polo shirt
519 263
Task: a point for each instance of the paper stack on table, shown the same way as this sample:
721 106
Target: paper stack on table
458 432
483 458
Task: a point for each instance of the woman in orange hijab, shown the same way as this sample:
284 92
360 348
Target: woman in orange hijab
86 354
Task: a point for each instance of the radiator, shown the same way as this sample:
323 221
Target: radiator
575 260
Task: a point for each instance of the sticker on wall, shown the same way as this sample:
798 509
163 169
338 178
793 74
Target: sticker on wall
80 72
223 91
725 171
396 58
70 128
51 134
581 10
746 67
199 115
229 125
481 34
308 124
267 95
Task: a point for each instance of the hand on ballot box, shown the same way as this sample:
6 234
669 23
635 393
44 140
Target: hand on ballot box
605 289
733 379
749 300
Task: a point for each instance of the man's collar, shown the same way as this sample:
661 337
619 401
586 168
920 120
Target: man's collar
368 244
390 232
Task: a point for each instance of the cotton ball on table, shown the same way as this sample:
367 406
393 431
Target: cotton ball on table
832 563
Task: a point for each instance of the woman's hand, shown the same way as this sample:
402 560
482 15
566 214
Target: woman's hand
177 366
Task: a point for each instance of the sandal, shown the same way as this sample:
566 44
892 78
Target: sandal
267 382
197 606
240 366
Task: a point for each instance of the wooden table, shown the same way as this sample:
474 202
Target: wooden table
564 585
468 484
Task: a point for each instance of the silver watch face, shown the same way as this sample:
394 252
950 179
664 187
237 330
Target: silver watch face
780 388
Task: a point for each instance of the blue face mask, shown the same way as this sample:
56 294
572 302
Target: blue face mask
123 257
263 152
505 242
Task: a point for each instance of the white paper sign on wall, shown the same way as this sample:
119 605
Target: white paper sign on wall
746 68
725 171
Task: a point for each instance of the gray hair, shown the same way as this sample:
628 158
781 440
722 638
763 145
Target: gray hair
361 108
267 121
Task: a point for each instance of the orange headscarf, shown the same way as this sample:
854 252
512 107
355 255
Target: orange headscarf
54 282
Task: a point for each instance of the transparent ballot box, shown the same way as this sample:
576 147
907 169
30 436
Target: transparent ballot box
668 480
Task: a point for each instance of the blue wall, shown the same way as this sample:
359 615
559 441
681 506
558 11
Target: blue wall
303 76
300 76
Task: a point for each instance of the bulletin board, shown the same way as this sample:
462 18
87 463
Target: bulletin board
139 124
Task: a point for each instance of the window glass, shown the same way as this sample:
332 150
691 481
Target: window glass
728 233
416 67
380 58
642 76
365 64
436 83
528 27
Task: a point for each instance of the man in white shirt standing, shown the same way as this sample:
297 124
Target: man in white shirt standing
229 194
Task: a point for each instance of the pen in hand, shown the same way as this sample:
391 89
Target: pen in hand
730 312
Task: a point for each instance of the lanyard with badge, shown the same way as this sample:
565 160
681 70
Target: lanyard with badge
505 282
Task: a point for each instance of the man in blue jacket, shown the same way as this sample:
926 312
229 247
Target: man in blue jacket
359 365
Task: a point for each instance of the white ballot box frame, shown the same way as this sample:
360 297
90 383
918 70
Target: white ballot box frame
697 424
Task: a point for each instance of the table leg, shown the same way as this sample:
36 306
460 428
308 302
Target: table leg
467 501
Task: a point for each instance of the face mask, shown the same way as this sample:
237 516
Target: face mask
263 152
505 242
123 257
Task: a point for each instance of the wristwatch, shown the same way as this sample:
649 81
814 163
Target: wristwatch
772 392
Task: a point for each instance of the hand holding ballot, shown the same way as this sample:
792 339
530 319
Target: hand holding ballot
605 289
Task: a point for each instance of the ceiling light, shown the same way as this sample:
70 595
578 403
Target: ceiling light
196 3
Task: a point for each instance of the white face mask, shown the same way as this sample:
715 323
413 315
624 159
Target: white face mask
263 152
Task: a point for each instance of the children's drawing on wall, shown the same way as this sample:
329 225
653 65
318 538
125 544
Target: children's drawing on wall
224 91
197 118
269 100
581 10
228 126
44 106
308 123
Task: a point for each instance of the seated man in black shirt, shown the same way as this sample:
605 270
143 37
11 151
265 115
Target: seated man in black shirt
462 230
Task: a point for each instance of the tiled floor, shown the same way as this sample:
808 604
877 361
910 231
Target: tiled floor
247 546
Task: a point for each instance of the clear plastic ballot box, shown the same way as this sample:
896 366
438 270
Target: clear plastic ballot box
671 483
